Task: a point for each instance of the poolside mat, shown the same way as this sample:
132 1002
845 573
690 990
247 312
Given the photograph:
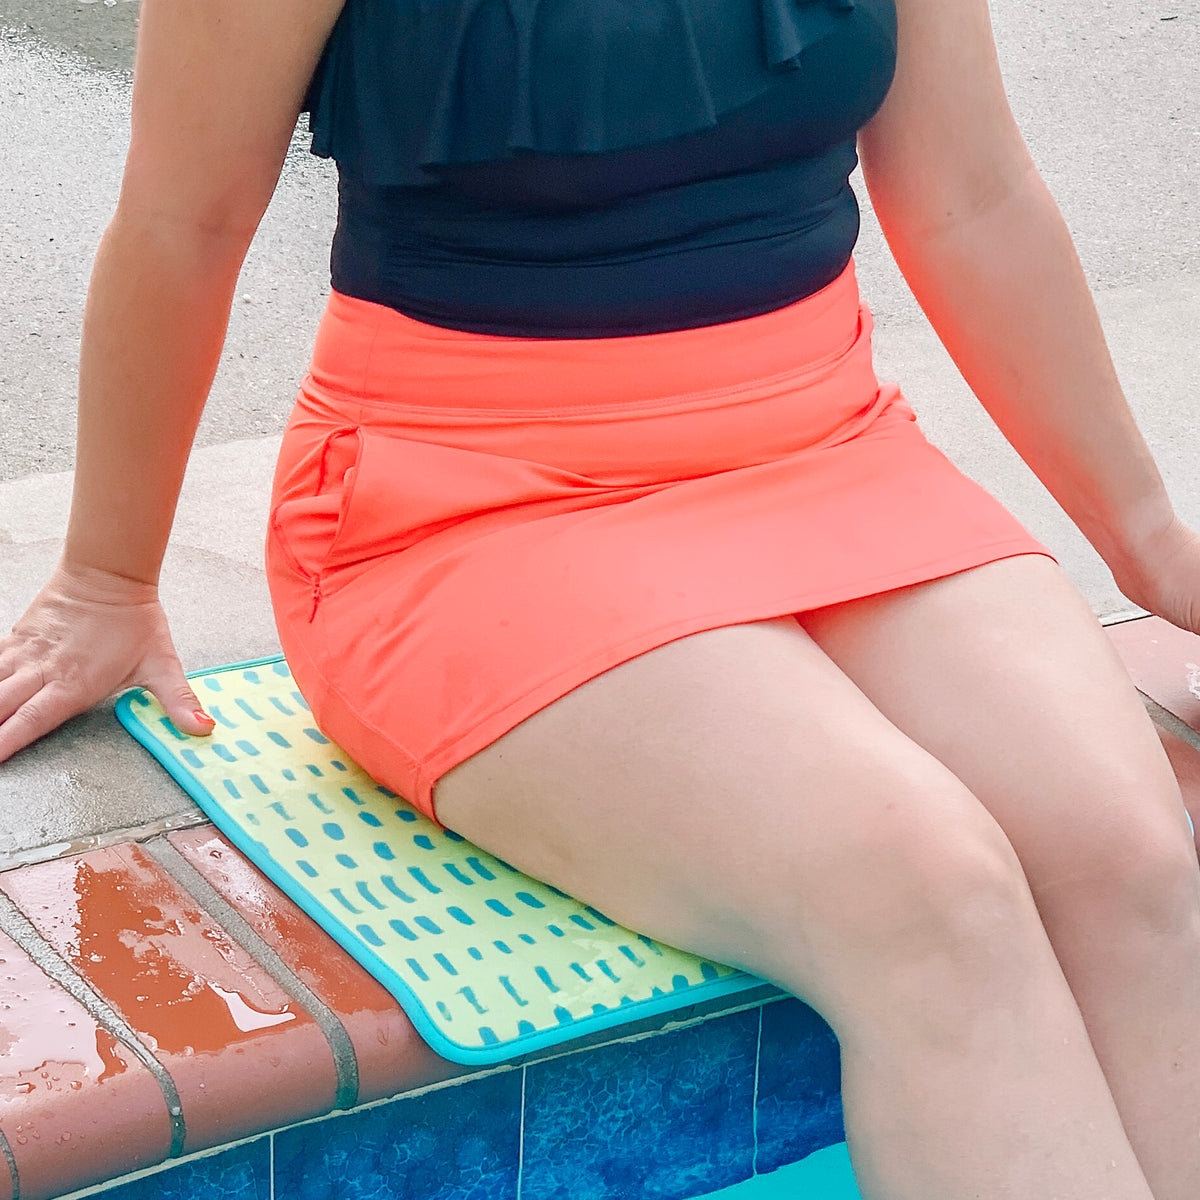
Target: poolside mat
488 963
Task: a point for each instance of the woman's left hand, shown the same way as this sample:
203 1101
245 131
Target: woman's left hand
1163 575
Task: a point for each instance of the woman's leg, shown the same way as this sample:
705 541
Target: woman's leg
733 793
1006 677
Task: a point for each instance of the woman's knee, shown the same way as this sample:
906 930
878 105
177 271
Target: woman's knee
1132 870
929 896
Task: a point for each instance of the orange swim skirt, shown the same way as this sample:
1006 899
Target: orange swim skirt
465 526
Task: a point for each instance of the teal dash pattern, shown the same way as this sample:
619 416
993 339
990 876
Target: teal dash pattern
456 933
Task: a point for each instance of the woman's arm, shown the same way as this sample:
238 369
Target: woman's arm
988 257
217 88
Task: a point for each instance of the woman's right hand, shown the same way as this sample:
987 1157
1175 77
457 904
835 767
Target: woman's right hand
88 634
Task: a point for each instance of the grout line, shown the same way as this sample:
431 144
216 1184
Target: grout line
767 994
97 1190
342 1048
1124 615
754 1110
12 1166
99 841
1161 717
471 1075
407 1094
271 1176
109 1186
22 931
521 1138
1167 720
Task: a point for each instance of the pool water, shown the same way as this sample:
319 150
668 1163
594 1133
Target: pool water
825 1175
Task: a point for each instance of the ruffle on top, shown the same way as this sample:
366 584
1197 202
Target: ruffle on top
405 86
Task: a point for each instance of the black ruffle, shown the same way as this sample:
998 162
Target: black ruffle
406 85
791 26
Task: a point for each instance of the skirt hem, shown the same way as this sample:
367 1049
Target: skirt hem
443 757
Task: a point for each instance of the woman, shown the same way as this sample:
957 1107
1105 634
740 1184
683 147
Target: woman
593 529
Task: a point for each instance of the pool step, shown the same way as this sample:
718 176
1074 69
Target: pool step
176 1030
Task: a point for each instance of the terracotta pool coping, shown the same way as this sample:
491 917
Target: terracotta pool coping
162 997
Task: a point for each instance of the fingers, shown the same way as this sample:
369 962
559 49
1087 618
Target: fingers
170 687
8 657
17 689
32 709
63 662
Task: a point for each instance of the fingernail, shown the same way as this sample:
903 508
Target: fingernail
201 715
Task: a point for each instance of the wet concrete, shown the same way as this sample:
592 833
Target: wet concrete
89 776
60 170
1109 96
100 31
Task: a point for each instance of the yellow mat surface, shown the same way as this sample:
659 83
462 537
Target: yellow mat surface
487 962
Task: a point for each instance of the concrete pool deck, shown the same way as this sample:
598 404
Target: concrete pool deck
1109 98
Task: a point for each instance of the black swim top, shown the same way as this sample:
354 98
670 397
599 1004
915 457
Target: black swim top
591 168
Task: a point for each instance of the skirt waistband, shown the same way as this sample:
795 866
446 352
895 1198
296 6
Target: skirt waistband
370 354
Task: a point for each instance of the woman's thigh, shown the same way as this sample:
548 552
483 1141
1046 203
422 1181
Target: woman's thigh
735 794
1004 675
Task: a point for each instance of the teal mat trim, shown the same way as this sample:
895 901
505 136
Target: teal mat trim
488 963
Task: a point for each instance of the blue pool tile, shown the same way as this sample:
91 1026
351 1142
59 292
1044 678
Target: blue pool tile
662 1118
240 1173
455 1143
799 1085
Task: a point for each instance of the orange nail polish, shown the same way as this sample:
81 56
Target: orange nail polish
201 715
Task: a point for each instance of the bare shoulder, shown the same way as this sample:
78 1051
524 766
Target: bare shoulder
217 88
946 120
